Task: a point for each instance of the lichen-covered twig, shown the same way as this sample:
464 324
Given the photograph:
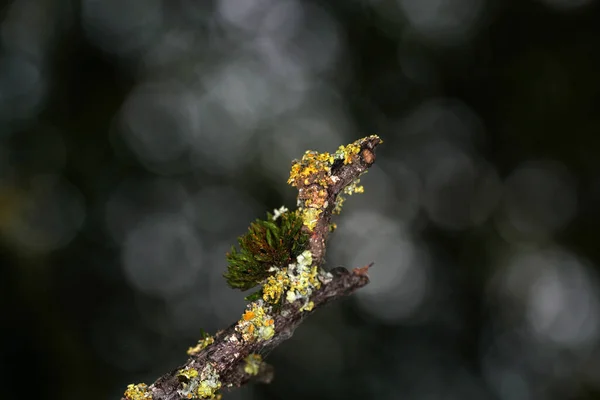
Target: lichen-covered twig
321 187
283 255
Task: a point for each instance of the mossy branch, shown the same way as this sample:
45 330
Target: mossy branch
284 255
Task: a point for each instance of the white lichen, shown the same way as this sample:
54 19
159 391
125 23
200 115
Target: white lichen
209 383
303 279
278 211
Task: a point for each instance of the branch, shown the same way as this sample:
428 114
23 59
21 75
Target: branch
289 294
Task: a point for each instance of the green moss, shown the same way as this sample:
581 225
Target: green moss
269 243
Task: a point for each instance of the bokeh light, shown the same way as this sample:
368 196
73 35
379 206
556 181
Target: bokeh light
123 29
402 282
21 87
444 21
566 4
539 199
48 216
162 254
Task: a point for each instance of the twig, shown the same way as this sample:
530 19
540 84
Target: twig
229 359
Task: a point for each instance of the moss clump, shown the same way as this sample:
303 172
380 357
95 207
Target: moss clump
268 244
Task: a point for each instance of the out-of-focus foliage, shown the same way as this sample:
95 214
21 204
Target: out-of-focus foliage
139 138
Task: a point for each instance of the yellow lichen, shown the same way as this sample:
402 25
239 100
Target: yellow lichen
303 279
209 383
351 189
267 332
313 167
202 344
312 175
188 373
354 187
196 384
316 167
137 392
275 286
347 153
308 306
313 277
252 364
339 202
310 217
199 385
256 323
207 390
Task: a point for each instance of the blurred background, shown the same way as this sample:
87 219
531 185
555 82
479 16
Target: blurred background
138 139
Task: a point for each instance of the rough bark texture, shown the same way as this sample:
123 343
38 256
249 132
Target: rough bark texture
229 349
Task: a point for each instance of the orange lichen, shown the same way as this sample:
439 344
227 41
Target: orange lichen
314 196
347 153
256 323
